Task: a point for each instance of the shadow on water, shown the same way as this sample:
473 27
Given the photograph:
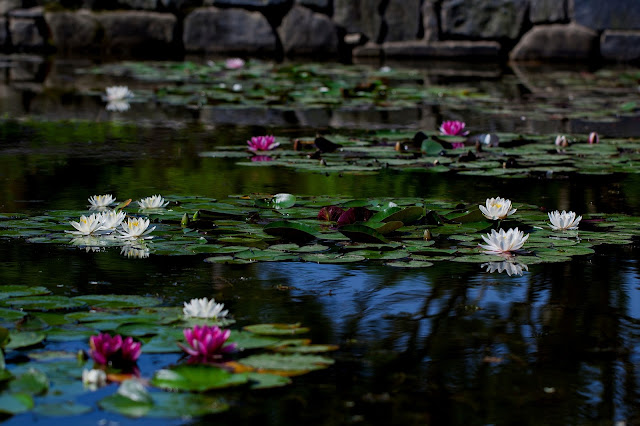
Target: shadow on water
450 344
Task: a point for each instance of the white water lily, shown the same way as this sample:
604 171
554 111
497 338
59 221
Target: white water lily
497 208
94 379
135 227
564 221
511 268
111 219
87 225
100 201
204 308
118 93
153 202
504 242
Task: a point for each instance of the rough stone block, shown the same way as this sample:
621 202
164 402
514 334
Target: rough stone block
622 46
489 19
73 31
253 4
322 6
8 5
306 32
135 32
227 30
548 11
430 21
3 32
557 42
359 16
609 14
462 50
402 19
24 27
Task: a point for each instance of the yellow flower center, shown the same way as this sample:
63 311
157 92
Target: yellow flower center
497 205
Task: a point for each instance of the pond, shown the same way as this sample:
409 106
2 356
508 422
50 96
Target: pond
376 322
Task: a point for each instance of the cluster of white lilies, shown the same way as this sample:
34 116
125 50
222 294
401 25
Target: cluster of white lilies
116 223
513 239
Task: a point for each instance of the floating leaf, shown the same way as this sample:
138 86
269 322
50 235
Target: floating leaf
286 364
15 403
197 378
267 381
118 301
362 233
7 291
24 339
276 329
291 231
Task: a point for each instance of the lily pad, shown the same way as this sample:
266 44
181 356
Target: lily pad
197 378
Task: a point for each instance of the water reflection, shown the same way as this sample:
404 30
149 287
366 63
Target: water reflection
136 250
508 266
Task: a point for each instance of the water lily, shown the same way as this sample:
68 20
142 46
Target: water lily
207 343
94 378
111 219
497 208
593 138
135 227
153 202
504 242
118 93
511 268
204 308
454 128
262 143
564 221
234 63
87 225
562 141
107 350
101 201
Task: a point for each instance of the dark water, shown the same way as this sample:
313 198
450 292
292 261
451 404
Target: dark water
447 345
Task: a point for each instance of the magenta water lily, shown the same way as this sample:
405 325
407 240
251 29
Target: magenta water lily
453 128
108 350
207 343
262 143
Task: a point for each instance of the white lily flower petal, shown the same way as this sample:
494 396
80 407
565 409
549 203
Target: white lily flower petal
94 379
117 93
136 227
90 225
497 208
504 242
564 221
153 202
101 200
111 219
204 308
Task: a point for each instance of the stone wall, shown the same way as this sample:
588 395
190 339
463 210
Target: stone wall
460 29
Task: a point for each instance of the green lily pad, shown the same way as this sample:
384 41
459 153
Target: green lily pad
45 303
33 382
197 378
276 329
164 405
118 301
267 381
7 291
293 364
15 403
362 233
62 409
24 339
291 231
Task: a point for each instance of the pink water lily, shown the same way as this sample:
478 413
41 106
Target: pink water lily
262 143
207 343
453 128
107 350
